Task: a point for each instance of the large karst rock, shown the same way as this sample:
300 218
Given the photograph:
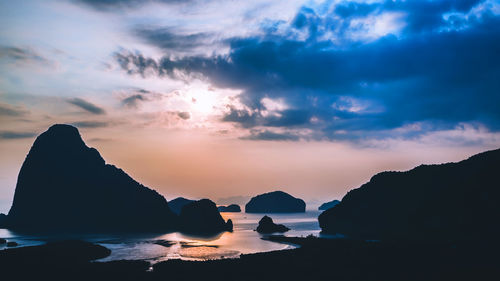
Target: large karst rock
275 202
453 201
64 185
202 217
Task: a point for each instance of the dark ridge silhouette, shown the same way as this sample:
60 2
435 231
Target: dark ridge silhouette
177 204
266 225
202 217
233 208
64 185
328 205
275 202
453 201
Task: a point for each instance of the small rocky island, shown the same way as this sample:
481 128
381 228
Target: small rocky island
266 225
233 208
202 217
275 202
177 204
328 205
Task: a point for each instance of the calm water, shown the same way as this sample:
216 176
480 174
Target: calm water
154 248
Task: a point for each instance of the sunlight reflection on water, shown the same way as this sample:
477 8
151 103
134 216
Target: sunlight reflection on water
155 248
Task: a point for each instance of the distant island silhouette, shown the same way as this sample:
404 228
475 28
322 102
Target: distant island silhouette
66 186
453 201
275 202
328 205
233 208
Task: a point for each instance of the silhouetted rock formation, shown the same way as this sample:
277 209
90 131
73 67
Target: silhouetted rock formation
64 185
12 244
328 205
177 204
202 217
231 208
275 202
453 201
2 241
266 225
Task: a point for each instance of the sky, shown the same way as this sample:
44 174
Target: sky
202 98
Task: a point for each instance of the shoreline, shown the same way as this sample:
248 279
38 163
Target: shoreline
315 259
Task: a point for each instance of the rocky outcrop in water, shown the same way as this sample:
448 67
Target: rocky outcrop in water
64 185
328 205
266 225
233 208
177 204
202 217
275 202
453 201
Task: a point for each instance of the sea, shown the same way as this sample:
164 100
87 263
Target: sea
160 247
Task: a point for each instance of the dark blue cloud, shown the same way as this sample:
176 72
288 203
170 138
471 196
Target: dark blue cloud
430 74
270 136
169 40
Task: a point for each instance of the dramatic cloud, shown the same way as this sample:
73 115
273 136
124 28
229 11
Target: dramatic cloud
435 72
87 106
16 135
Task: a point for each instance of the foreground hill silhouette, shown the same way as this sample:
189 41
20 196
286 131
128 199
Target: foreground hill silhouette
275 202
64 185
453 201
316 259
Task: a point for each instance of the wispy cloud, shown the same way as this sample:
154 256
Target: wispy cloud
7 135
90 124
87 106
22 54
12 111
